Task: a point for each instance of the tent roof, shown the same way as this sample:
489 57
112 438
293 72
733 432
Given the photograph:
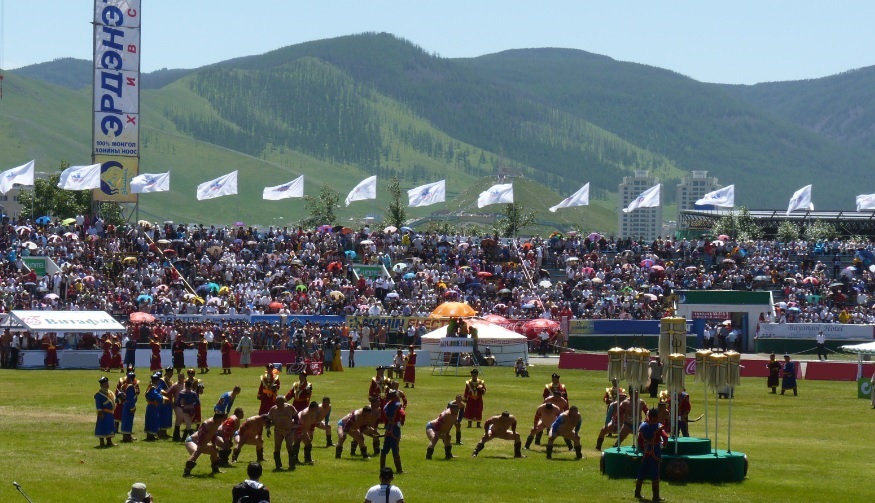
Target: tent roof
66 321
485 330
863 349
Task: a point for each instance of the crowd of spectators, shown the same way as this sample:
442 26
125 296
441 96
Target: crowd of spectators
176 269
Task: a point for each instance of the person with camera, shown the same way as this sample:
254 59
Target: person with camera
138 494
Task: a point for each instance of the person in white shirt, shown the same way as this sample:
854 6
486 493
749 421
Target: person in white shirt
385 491
821 346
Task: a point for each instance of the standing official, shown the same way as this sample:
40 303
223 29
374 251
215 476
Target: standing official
104 401
475 388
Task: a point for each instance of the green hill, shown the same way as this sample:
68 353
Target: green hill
341 109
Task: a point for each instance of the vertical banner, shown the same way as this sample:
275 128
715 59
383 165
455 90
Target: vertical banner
116 101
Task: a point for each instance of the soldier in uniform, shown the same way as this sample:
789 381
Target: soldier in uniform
115 351
104 401
474 390
300 393
553 387
284 418
410 368
167 405
788 375
502 426
268 389
178 350
395 418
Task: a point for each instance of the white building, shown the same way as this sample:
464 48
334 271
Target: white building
692 188
643 223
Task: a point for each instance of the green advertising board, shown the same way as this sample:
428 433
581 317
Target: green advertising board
864 388
370 271
35 264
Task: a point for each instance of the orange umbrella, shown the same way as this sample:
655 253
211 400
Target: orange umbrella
453 310
140 317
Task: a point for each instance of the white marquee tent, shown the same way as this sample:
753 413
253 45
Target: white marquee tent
867 348
504 344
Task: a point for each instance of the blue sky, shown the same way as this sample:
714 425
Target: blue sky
739 42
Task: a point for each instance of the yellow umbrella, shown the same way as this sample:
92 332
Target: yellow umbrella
68 221
336 295
224 290
453 310
129 260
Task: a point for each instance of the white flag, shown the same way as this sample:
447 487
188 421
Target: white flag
366 189
295 188
648 199
427 194
150 182
495 195
80 178
22 175
579 198
724 197
223 186
866 202
801 200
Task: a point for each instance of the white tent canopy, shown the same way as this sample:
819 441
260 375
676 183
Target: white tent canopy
867 348
40 322
506 346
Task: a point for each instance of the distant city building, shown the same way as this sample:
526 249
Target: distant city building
643 223
692 188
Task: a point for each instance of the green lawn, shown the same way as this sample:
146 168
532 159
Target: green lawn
801 448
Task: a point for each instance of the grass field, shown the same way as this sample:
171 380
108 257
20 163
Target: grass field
806 448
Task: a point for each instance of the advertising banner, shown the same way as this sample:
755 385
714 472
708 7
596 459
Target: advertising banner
832 331
370 271
115 178
395 323
578 328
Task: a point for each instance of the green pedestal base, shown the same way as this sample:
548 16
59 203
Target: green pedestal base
695 462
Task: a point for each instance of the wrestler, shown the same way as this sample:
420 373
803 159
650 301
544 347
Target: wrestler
173 394
307 419
567 425
324 420
504 427
204 442
226 436
561 404
460 401
250 433
186 401
439 429
285 420
625 412
545 414
354 425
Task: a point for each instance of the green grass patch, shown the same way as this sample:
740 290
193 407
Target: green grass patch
801 448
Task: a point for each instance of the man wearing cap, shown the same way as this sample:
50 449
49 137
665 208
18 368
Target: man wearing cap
166 418
138 494
385 491
788 375
395 418
502 426
202 347
131 391
154 399
226 349
104 401
553 387
475 388
300 393
244 347
178 350
268 388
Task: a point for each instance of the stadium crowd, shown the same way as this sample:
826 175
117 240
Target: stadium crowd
177 269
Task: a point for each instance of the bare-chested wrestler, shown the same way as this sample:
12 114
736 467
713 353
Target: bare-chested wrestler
567 425
545 414
307 420
439 429
250 432
502 426
354 425
284 418
204 442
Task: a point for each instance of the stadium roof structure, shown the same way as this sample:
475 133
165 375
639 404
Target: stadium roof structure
847 223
